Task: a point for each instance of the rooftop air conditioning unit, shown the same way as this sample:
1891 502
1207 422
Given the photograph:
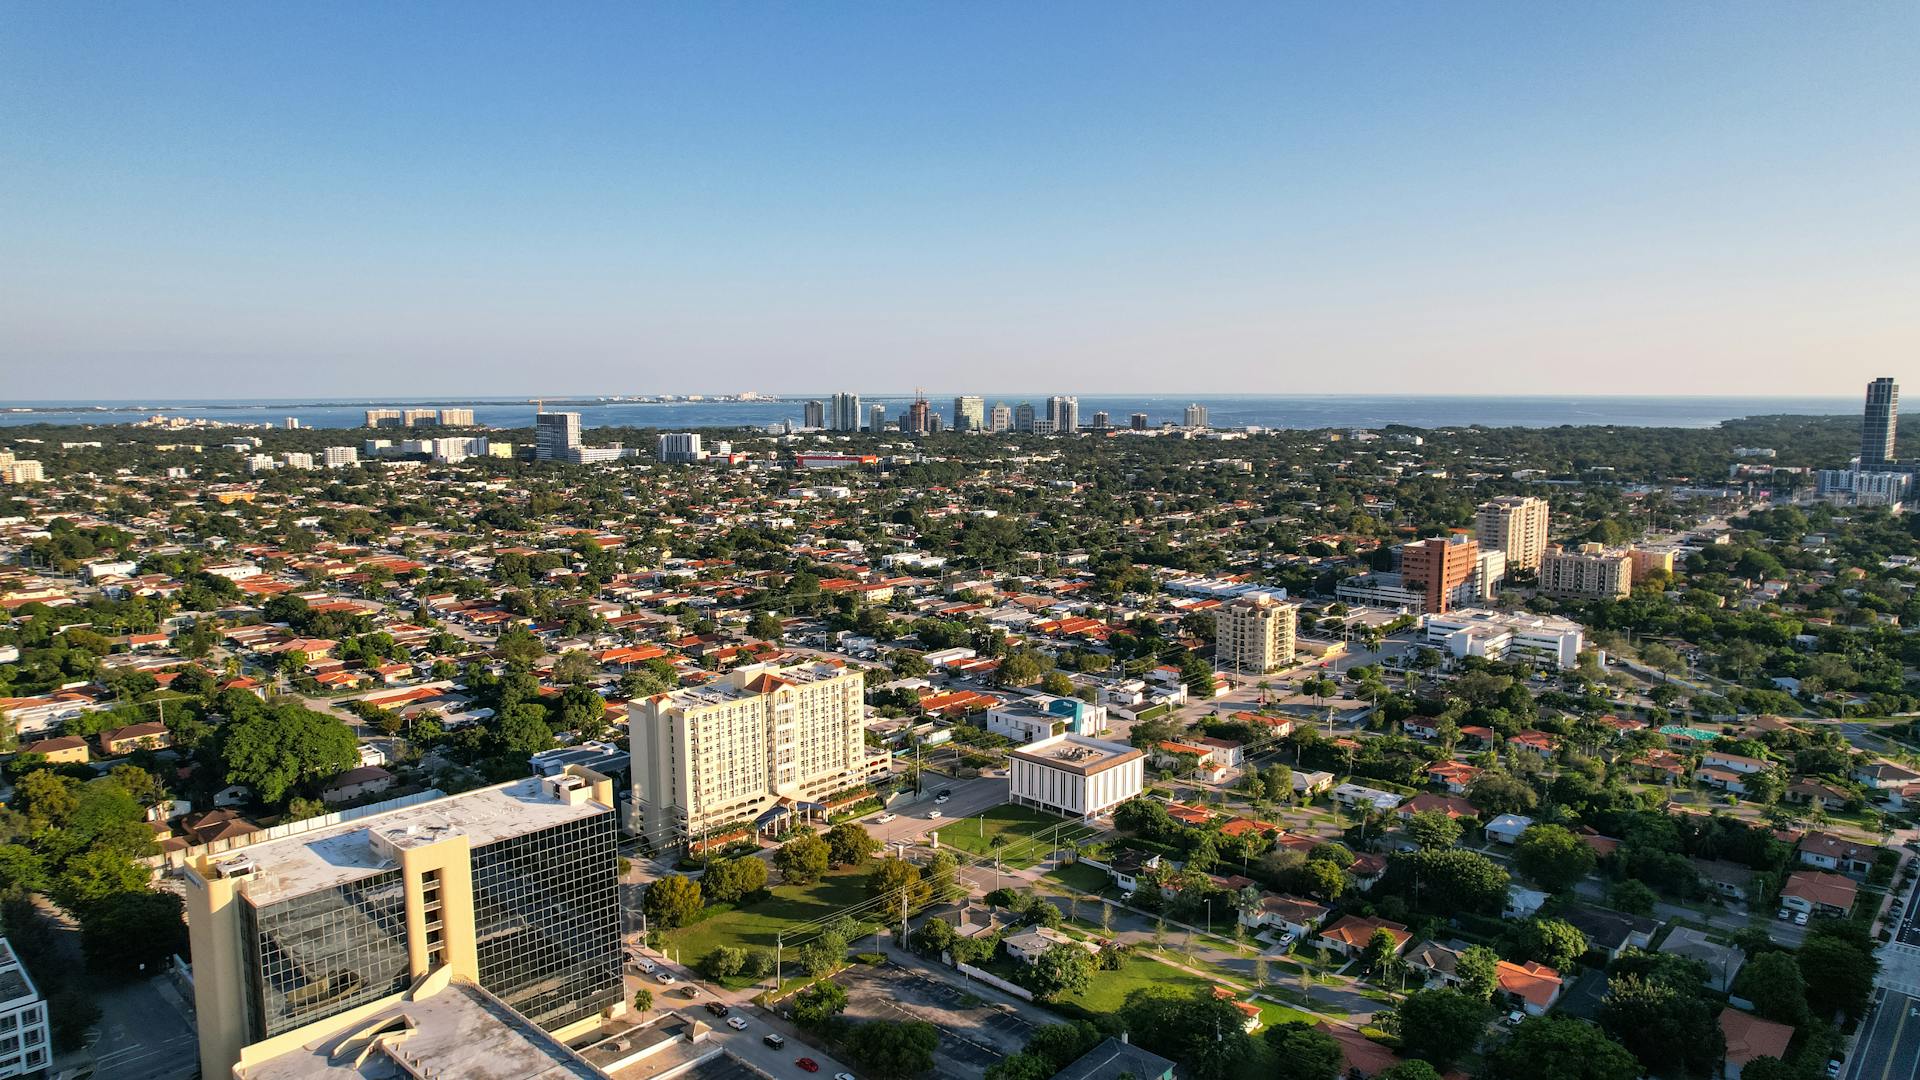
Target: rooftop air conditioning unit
238 866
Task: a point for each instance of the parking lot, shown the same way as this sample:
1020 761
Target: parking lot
974 1034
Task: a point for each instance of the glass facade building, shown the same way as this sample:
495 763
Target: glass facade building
323 953
547 920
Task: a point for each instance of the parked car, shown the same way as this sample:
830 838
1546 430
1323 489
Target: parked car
716 1008
665 977
842 1076
942 798
883 819
736 1023
1799 918
1785 914
807 1064
774 1040
946 793
1833 1067
932 815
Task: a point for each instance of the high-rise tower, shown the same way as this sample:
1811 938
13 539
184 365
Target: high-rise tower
1877 426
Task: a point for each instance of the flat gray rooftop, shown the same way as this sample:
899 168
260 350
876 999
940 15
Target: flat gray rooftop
337 854
461 1031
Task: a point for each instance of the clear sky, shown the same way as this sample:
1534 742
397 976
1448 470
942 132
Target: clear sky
416 198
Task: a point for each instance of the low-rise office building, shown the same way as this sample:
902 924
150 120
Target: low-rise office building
1497 634
1075 776
1043 716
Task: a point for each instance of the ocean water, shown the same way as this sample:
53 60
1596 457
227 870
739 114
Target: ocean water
1224 410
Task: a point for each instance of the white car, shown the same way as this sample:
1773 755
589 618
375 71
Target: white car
943 798
883 819
666 977
643 963
932 815
736 1023
842 1076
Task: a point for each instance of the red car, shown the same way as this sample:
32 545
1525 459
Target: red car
808 1065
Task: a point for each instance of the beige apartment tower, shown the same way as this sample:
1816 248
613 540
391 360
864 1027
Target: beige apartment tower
1515 525
1589 573
514 888
1253 635
710 757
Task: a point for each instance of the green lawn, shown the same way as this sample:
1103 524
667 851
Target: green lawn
758 926
1081 877
1009 825
1109 989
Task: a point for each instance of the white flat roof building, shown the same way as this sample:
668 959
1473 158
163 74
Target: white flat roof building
1496 634
1074 776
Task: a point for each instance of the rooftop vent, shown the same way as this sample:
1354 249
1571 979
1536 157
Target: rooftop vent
238 866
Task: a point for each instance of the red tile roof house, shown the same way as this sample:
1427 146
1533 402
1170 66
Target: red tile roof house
1455 776
1453 806
1535 986
1349 934
1537 741
1817 892
1749 1037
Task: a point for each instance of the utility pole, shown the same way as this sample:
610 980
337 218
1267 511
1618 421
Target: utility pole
779 944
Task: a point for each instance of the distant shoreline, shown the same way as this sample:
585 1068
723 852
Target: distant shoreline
1224 411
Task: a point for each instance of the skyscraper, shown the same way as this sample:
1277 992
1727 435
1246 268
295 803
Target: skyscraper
1138 421
1102 421
514 887
1065 414
843 412
1000 419
917 414
814 414
1196 416
877 419
1877 426
969 413
1023 417
1515 525
556 436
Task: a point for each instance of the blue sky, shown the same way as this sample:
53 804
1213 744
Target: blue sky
244 200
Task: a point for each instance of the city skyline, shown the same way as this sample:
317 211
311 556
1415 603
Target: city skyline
415 200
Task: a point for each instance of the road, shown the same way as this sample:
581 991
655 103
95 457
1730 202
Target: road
1889 1044
1889 1047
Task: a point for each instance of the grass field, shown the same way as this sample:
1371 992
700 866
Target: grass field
1081 877
1109 989
1002 829
759 926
